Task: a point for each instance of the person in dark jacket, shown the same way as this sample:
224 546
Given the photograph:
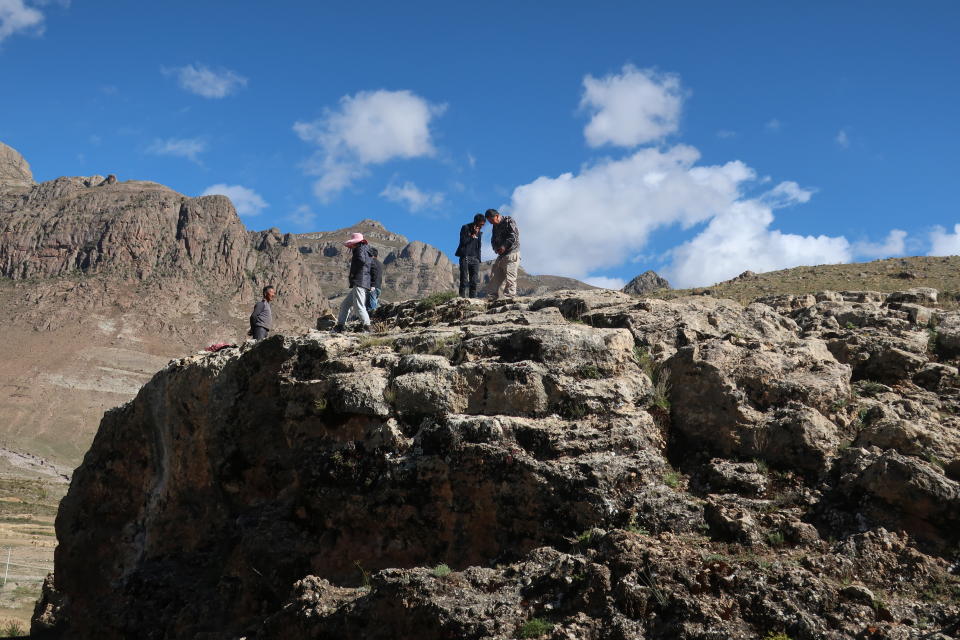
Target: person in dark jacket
376 280
469 254
356 300
261 320
505 239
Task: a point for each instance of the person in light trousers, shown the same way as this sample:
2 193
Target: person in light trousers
356 300
505 239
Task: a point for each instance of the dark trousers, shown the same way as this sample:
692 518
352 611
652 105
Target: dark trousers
259 333
469 275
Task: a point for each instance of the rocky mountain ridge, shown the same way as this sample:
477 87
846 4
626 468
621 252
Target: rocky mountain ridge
579 465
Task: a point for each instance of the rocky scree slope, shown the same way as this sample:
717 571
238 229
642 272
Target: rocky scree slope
580 465
107 280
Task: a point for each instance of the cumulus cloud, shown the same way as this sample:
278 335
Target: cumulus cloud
578 224
895 244
944 243
740 239
246 201
635 107
206 82
369 128
842 139
303 216
409 195
189 148
15 17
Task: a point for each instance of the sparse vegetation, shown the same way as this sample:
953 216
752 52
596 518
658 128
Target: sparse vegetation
869 388
320 405
776 635
368 342
672 479
589 371
435 299
775 539
534 628
441 571
574 409
11 628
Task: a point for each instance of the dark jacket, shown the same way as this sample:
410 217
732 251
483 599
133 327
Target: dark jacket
376 274
262 315
505 235
469 247
360 266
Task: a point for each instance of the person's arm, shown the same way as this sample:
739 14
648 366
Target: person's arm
510 237
465 234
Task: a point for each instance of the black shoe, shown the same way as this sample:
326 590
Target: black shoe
337 329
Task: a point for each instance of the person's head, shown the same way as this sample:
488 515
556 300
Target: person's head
493 216
479 220
269 293
374 252
355 240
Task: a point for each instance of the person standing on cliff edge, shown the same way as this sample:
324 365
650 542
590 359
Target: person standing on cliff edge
505 239
469 253
359 280
261 320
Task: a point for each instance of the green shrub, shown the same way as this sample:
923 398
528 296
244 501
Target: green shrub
672 479
589 371
775 539
441 571
435 299
11 628
534 628
776 636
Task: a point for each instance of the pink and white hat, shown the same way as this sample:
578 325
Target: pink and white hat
354 240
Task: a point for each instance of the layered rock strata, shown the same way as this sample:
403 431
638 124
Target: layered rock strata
579 465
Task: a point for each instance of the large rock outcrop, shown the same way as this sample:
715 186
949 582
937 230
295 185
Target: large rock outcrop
646 282
579 465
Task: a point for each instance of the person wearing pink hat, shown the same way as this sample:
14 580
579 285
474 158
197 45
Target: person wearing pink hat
356 300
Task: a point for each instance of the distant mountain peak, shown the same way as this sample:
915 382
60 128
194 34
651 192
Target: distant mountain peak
14 169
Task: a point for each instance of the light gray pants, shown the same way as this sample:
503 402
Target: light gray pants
355 301
504 273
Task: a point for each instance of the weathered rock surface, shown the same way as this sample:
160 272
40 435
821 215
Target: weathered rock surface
14 169
646 282
578 465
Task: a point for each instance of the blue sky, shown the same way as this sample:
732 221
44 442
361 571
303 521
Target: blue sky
699 139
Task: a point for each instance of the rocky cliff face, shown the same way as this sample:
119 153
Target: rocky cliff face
107 281
578 465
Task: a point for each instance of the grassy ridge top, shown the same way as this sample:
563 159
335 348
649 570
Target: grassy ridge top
891 274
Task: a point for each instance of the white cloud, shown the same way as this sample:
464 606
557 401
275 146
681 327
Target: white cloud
412 197
246 201
303 216
773 125
207 82
15 16
786 194
944 243
740 239
636 107
843 139
188 148
371 127
894 245
606 283
576 225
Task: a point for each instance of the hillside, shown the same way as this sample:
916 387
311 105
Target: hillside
891 274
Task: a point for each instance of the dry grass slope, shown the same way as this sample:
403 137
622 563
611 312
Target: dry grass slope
892 274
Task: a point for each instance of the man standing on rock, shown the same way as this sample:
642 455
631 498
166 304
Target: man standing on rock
356 300
469 254
261 320
505 239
